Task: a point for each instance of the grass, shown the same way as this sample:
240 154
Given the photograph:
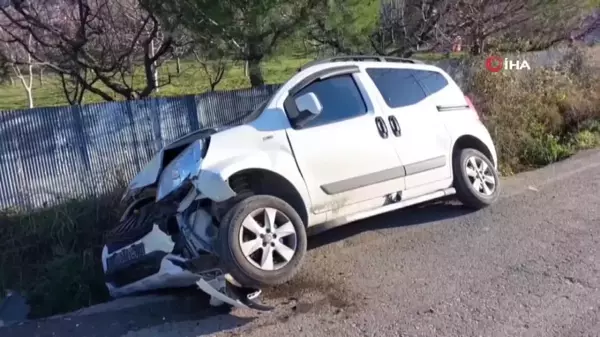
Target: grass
52 256
191 80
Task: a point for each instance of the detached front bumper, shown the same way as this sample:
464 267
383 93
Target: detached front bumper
131 269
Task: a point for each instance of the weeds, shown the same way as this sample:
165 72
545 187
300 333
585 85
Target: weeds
543 115
52 256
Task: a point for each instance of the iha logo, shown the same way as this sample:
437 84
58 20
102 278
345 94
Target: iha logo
497 63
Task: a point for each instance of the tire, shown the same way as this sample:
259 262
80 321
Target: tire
465 184
232 233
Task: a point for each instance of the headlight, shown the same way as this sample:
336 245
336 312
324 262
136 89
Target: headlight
183 167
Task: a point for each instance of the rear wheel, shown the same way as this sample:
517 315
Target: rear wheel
262 241
475 179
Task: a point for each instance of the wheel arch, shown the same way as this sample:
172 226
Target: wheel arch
470 141
264 181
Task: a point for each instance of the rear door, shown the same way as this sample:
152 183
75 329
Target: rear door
421 139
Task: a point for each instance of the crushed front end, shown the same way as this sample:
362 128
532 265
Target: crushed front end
167 235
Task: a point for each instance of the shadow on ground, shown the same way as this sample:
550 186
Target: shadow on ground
417 215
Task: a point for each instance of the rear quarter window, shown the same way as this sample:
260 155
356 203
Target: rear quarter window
431 80
440 91
398 87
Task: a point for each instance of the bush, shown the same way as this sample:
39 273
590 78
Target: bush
534 115
52 256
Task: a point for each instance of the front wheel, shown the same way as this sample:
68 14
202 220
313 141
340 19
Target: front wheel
475 179
262 241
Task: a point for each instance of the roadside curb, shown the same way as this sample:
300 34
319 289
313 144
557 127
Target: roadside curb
118 304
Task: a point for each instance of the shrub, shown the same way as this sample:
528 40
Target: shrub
534 115
53 255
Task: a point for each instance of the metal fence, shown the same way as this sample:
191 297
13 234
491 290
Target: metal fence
51 154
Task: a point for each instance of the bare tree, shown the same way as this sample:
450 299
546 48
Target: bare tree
104 39
411 26
213 64
73 88
403 28
20 61
514 24
250 29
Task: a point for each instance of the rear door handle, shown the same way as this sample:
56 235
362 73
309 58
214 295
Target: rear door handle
381 127
395 126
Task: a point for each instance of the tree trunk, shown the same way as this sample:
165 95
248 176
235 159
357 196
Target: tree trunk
255 73
29 87
178 62
476 45
26 81
154 66
41 76
29 97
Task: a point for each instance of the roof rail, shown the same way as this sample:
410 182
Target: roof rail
359 58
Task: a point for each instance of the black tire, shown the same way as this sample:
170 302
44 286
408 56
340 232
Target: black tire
465 191
237 264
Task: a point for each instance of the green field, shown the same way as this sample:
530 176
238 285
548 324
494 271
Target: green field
191 80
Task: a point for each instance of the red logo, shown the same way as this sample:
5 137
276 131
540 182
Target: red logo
494 63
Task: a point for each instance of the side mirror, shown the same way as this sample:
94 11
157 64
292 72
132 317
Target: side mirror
309 107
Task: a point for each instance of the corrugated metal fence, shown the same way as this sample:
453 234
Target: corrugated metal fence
56 153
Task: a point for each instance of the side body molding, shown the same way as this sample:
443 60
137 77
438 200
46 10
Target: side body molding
382 176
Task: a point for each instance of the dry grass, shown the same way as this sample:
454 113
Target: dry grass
52 256
535 116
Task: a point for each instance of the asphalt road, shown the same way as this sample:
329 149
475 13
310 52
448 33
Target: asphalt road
527 266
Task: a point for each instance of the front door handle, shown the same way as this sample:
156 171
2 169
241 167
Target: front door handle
395 126
381 127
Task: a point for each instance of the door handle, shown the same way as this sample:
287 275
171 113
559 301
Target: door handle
381 127
395 126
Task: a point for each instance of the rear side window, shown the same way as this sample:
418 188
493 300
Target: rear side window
398 87
431 80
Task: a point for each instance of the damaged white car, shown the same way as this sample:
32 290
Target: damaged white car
344 139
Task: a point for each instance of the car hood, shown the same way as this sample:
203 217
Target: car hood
148 176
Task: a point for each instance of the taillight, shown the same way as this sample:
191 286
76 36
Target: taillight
471 106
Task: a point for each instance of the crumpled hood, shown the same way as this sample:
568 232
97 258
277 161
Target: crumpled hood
148 176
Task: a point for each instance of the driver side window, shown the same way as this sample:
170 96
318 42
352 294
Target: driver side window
340 97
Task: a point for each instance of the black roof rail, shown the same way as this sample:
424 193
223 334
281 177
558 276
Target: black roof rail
358 58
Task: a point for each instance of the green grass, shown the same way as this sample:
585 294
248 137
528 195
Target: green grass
191 80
